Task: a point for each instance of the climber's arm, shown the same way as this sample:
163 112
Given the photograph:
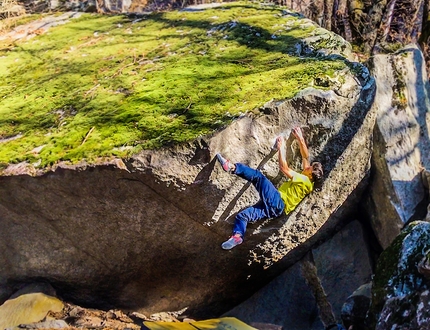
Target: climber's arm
298 134
283 164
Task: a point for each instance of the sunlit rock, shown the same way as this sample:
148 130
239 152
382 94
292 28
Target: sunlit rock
402 143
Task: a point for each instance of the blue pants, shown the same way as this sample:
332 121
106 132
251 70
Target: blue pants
270 205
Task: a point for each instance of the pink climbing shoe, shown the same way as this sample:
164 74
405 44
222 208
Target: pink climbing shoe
232 242
225 163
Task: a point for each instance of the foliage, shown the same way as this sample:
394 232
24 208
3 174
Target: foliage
10 12
103 86
7 8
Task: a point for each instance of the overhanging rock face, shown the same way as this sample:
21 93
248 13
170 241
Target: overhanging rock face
148 238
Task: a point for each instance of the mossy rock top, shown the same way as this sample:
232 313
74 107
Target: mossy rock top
110 86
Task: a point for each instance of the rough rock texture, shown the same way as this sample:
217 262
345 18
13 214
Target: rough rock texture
409 312
356 306
425 176
52 324
400 292
147 238
401 142
287 301
342 263
85 318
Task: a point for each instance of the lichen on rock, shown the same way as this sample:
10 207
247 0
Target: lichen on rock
397 280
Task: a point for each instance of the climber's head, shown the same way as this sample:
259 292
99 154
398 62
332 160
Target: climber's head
314 172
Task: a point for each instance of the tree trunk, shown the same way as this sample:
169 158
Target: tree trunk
340 20
389 18
309 272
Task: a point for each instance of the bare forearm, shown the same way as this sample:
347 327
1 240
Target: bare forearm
298 134
282 159
303 148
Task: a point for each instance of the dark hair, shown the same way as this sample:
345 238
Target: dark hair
317 175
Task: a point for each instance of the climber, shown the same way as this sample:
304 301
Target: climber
272 201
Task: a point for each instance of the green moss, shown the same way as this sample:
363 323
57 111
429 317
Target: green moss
396 273
391 47
399 100
385 270
167 78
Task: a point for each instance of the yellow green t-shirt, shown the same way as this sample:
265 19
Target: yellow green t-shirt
294 190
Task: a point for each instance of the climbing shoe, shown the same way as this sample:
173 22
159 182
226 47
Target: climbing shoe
232 242
225 163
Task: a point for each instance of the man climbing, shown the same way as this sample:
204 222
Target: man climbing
272 201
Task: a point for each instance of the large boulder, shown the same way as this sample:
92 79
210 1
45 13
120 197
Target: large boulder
342 263
146 235
401 141
400 290
354 310
287 302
